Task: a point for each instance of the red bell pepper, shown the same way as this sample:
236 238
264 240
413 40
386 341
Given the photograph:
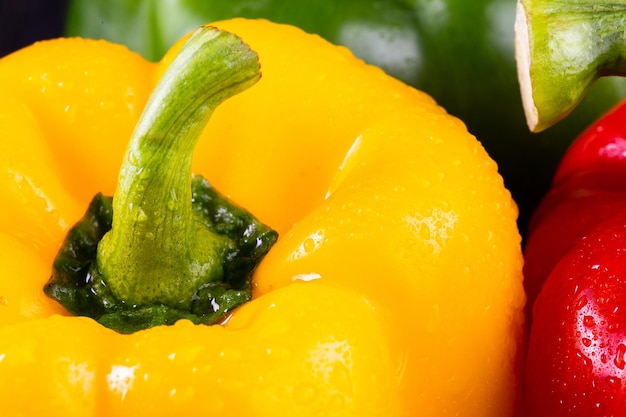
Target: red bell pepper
575 272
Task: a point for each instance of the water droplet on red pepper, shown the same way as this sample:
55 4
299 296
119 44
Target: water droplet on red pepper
619 360
587 363
581 302
614 382
589 321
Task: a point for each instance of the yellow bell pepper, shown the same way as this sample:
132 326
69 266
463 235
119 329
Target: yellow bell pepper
394 288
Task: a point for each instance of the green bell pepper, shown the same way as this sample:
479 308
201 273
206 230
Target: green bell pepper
461 52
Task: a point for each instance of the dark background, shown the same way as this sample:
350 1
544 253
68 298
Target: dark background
23 22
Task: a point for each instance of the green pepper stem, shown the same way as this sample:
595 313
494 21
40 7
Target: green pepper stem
562 48
156 250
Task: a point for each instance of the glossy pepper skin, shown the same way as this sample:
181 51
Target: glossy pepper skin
460 52
587 188
575 274
394 288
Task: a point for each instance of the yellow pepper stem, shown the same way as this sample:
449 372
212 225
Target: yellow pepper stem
156 251
175 248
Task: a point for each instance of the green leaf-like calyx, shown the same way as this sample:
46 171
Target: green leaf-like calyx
78 286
